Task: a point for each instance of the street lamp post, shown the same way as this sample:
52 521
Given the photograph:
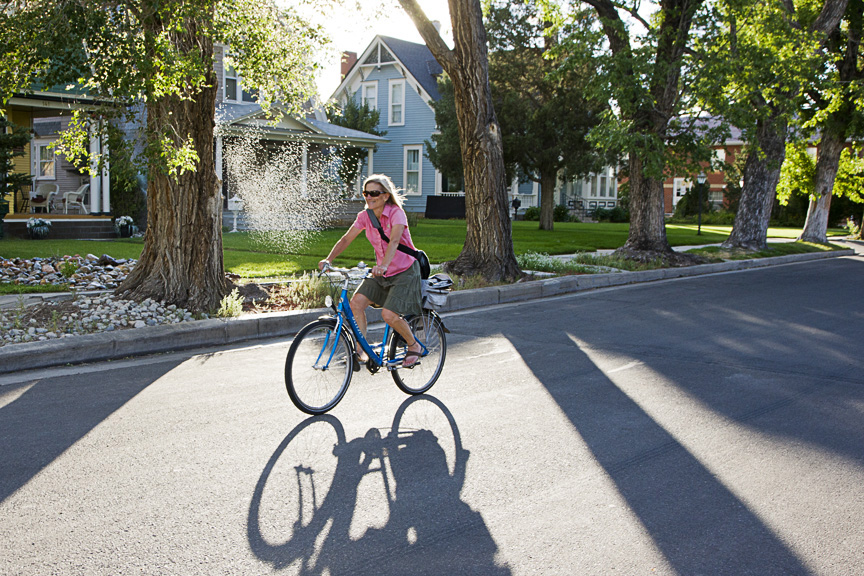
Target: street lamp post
701 180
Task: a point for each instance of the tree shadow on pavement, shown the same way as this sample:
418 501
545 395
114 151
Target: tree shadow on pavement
789 373
696 522
43 418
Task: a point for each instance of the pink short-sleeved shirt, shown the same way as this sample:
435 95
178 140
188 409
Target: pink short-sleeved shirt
392 216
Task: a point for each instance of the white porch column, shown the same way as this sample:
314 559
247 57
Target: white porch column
219 158
369 169
106 180
95 181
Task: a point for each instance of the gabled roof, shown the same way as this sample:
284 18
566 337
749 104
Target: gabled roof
416 59
419 61
233 117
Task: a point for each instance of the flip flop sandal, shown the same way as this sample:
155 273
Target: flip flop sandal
408 356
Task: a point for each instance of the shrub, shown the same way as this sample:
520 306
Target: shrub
531 213
68 268
231 305
616 214
560 213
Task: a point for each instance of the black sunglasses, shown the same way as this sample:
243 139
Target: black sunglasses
372 193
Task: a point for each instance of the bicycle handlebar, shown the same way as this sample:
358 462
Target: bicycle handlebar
345 272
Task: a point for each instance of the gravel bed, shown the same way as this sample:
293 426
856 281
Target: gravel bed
85 315
82 314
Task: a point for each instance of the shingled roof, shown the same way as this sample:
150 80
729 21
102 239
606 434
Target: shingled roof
419 61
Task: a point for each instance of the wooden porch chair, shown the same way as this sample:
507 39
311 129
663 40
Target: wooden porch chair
43 196
75 197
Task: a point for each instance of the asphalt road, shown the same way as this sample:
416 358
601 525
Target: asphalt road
705 425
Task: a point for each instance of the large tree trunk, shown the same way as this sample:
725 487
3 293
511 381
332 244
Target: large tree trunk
488 248
835 126
547 200
647 218
761 174
181 262
816 225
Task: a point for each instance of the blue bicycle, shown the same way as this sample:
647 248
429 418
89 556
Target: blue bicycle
323 355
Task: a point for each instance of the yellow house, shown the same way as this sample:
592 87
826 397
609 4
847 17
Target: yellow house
45 113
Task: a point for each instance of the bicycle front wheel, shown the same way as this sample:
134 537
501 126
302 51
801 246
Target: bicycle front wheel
420 377
318 368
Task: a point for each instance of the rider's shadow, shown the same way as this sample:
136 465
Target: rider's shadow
310 515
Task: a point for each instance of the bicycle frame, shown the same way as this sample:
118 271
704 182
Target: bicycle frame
343 313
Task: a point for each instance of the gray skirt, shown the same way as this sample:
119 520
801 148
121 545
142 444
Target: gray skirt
399 293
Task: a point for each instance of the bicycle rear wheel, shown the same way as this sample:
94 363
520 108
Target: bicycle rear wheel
420 377
318 368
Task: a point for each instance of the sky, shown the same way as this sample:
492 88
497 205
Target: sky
353 30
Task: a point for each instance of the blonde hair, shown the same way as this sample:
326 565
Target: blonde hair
385 181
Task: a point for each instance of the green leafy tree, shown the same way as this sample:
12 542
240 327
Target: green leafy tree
443 150
488 249
755 59
127 198
850 179
643 77
798 173
160 53
13 139
545 109
799 176
357 117
835 109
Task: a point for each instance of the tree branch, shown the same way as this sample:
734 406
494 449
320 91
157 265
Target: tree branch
613 26
430 35
830 16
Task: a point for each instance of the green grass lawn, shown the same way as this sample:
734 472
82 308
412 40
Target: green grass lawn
441 239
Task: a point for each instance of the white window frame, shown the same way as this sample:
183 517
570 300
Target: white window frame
372 87
680 186
405 150
391 84
37 159
238 93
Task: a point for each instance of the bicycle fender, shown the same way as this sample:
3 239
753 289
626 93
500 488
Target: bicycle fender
435 315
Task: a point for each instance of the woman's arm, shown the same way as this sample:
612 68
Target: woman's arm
341 245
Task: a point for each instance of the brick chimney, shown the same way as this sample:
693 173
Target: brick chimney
348 60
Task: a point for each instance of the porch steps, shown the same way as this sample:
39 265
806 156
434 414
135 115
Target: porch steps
64 227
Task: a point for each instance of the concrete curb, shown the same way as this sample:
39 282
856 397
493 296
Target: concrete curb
219 332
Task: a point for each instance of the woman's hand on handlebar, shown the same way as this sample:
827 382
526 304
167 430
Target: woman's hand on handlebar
323 265
379 270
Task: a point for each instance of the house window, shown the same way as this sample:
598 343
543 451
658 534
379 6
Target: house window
413 176
47 159
679 188
250 96
396 117
601 182
370 95
230 77
600 185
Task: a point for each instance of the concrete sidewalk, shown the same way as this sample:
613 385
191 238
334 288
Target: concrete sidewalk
220 332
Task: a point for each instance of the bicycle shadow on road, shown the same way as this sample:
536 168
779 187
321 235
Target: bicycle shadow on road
371 505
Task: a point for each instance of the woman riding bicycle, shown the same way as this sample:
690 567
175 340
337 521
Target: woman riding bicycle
395 282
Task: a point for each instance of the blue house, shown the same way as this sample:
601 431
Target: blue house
400 79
